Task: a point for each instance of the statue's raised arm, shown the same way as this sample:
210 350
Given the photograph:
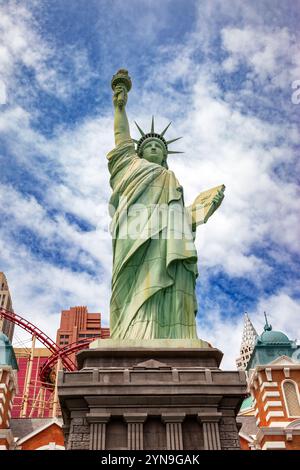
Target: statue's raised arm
121 84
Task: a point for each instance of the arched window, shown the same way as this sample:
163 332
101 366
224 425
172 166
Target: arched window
291 395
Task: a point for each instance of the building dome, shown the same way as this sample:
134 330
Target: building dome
273 337
270 345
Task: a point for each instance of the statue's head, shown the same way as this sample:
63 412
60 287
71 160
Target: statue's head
153 147
154 151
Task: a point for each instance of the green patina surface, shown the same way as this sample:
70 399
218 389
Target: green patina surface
247 403
154 273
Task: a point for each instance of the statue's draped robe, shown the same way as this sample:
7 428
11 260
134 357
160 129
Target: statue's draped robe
154 272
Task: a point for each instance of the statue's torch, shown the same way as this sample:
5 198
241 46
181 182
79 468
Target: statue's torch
121 78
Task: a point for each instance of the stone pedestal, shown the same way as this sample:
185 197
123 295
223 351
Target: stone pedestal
158 395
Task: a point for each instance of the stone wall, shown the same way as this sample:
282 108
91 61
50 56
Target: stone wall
229 434
79 435
154 435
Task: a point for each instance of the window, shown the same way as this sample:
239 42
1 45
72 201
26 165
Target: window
88 335
291 395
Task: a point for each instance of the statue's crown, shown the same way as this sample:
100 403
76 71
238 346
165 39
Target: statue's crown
152 135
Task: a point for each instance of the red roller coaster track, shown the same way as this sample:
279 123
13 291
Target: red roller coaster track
41 336
62 354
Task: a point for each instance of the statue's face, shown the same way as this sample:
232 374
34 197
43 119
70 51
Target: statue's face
153 152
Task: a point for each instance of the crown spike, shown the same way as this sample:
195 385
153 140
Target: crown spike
173 140
165 130
141 132
135 141
152 125
173 151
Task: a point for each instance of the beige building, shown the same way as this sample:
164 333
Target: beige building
6 326
247 345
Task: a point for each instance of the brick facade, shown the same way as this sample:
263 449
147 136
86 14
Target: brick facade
276 406
8 386
42 439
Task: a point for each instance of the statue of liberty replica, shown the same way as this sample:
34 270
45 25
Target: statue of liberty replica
154 255
153 384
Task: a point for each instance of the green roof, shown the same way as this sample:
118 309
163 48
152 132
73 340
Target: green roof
247 403
273 337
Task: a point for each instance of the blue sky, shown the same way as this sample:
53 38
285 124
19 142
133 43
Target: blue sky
222 71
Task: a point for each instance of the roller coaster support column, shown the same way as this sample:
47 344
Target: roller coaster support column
55 397
26 389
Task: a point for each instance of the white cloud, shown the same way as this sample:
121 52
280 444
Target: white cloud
3 94
21 44
26 212
40 290
283 313
266 51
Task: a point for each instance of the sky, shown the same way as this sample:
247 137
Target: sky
227 74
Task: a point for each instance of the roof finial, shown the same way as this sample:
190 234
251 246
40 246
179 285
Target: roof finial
267 327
